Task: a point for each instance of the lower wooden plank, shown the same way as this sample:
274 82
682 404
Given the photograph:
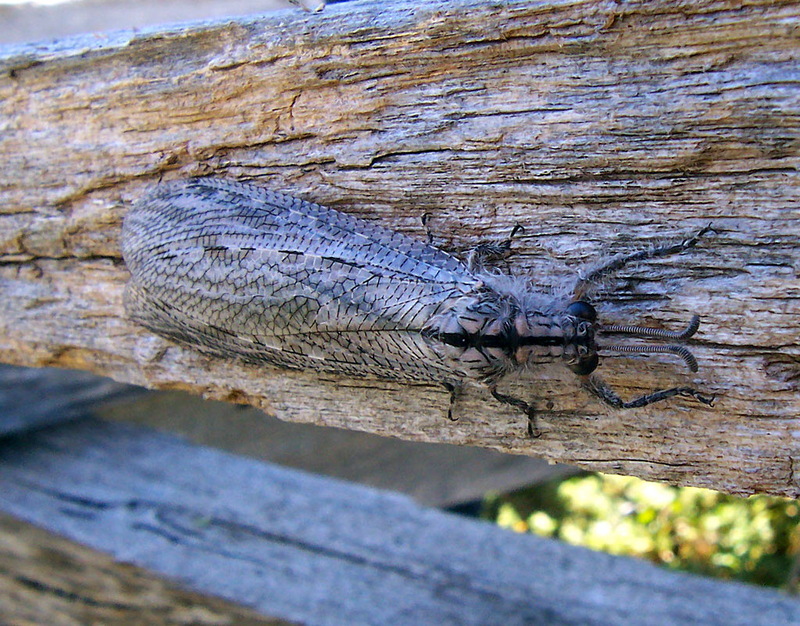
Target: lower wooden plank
434 474
320 551
32 397
45 579
438 475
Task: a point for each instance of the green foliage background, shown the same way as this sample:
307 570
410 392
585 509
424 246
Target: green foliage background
755 540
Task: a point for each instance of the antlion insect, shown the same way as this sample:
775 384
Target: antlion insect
241 272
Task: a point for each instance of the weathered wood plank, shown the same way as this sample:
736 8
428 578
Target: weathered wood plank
45 579
433 474
33 397
436 475
321 551
591 123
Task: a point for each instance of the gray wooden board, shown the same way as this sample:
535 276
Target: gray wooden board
48 580
321 551
32 397
433 474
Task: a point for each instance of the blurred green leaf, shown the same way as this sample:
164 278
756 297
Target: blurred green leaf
754 539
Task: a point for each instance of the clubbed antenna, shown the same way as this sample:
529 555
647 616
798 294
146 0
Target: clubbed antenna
643 331
658 333
681 351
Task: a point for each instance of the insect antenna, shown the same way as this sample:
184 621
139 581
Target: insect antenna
660 333
656 333
681 351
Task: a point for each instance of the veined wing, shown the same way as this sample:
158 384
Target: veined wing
247 273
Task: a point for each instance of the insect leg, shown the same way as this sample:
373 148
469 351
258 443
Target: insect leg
455 391
521 405
601 389
490 251
617 263
426 222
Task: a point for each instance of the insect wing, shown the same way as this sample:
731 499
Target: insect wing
247 273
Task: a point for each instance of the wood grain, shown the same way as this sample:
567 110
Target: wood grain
45 579
597 126
315 550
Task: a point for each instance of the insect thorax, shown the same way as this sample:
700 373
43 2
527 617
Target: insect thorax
487 334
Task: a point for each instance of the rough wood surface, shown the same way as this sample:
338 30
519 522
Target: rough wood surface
596 125
319 551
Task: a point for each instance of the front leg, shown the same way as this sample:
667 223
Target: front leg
521 405
601 389
586 282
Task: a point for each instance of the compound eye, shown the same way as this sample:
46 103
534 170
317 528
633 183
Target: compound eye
585 365
582 310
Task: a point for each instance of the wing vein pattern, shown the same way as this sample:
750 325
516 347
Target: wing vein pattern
243 272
